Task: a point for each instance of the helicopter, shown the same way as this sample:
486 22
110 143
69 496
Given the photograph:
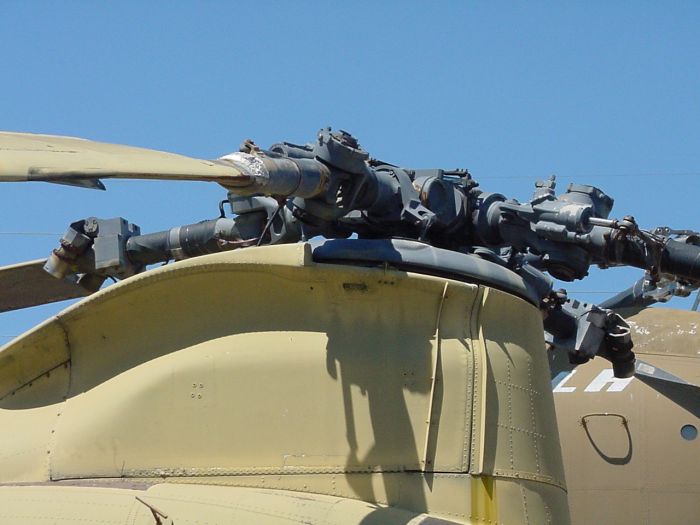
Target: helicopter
632 443
357 342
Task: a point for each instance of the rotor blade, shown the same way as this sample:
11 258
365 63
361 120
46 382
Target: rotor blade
70 160
674 388
632 299
667 332
27 284
643 369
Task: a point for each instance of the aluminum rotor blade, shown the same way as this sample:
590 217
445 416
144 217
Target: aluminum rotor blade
676 389
80 162
27 284
644 369
659 332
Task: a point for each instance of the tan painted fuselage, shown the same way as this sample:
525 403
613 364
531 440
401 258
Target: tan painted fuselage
257 386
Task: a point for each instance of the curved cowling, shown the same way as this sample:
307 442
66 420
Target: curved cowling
410 255
261 368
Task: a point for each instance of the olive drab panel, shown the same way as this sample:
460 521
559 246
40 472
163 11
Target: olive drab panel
626 456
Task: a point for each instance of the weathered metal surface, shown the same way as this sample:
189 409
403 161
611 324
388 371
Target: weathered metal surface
70 160
174 504
27 284
630 462
262 368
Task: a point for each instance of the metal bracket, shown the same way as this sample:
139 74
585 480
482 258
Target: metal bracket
623 419
158 515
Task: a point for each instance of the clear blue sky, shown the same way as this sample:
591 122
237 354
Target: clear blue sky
591 92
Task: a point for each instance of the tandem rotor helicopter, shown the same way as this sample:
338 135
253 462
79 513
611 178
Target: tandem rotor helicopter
354 343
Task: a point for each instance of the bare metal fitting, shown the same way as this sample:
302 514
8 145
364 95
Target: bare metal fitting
57 266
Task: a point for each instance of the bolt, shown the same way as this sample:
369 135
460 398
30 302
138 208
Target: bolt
91 226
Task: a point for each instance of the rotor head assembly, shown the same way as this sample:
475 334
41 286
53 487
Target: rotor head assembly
332 188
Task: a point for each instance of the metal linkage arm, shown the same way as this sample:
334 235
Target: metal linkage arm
586 331
565 234
97 249
655 252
